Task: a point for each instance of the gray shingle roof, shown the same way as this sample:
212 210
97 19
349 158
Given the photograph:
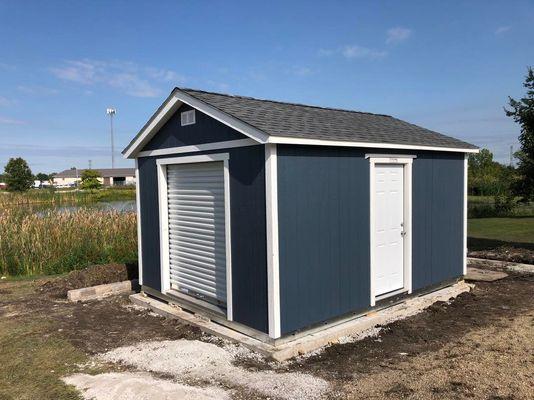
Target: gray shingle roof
311 122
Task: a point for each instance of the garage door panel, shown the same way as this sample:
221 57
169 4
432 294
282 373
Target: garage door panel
196 216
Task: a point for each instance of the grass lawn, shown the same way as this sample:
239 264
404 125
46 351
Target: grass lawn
516 230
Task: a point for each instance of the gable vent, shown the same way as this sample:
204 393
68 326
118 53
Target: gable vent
188 117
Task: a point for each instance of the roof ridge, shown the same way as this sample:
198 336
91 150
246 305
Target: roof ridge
282 102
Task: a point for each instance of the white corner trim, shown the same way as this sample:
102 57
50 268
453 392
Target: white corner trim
139 233
273 273
164 220
228 240
325 142
199 147
407 241
163 228
466 164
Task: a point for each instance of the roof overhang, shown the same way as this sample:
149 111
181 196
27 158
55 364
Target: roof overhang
178 97
169 107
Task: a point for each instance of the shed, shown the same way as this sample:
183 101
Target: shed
275 218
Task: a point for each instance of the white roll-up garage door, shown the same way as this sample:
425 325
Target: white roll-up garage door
197 256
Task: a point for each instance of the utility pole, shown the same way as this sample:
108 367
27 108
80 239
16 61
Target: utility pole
90 164
111 112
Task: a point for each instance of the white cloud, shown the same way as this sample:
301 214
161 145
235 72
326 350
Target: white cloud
4 101
325 52
350 52
355 51
37 90
302 71
398 35
502 29
128 77
11 121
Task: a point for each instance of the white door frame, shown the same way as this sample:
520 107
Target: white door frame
162 164
406 161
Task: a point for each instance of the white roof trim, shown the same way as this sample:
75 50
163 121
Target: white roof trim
325 142
172 104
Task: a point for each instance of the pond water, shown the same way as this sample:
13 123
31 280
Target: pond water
121 206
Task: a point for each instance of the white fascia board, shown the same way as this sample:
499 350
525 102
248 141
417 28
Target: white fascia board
235 123
325 142
169 108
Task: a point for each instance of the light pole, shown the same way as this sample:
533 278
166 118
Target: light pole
111 112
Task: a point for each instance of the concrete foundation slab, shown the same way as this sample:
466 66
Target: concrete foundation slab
483 275
501 265
304 344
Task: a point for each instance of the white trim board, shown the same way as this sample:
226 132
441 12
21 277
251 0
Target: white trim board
139 234
465 216
229 144
406 161
342 143
273 264
164 220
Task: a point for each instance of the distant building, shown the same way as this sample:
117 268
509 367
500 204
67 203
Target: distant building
108 177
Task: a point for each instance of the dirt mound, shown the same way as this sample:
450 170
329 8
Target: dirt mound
506 253
90 276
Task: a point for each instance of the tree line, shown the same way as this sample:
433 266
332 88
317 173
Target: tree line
18 177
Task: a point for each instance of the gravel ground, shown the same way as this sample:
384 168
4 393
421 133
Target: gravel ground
478 346
196 361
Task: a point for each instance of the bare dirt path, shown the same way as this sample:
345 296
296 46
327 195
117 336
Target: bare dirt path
479 347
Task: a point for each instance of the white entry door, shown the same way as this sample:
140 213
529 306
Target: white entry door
388 215
196 215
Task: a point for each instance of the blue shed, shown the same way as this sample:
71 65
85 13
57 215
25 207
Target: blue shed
274 218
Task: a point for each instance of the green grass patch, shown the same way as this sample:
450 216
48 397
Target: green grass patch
32 361
513 230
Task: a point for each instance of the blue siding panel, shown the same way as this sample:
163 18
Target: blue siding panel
148 182
323 208
323 233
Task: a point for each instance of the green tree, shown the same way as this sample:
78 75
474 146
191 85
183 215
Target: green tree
522 111
482 173
90 179
18 175
41 177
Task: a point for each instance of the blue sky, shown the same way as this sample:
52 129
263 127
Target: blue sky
448 66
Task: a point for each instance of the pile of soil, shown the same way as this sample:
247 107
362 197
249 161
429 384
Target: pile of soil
90 276
506 253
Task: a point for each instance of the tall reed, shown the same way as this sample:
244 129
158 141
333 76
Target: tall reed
51 197
55 242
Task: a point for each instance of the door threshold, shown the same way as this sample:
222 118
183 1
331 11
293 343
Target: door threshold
390 294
